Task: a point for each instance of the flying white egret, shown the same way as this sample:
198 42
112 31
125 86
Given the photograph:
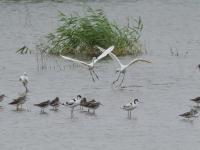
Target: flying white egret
24 80
123 68
94 60
130 106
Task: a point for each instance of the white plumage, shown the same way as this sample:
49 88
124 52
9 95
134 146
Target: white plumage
24 80
130 106
123 68
94 61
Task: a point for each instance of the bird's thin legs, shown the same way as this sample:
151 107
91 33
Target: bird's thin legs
72 110
117 78
92 76
122 79
95 74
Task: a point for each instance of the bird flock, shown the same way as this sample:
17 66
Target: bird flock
78 102
82 102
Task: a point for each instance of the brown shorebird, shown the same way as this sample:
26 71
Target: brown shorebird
55 103
43 105
189 114
93 105
196 100
19 101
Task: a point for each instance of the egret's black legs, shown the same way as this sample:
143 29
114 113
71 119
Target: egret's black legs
122 79
117 78
95 74
92 76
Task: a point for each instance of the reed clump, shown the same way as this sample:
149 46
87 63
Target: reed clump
79 35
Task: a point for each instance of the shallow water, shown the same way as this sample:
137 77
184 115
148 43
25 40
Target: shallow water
165 86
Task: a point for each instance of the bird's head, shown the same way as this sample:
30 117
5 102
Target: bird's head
135 101
79 96
83 100
4 95
57 98
194 111
25 74
117 70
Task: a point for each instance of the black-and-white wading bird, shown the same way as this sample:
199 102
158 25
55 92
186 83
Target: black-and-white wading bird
196 100
189 114
43 105
19 101
123 68
24 80
130 106
55 103
73 103
92 64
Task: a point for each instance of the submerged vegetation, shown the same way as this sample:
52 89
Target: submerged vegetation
79 35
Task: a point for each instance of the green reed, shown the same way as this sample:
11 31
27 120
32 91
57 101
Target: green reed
79 35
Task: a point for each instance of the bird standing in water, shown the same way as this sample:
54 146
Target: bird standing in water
55 103
43 105
130 106
19 101
24 80
189 114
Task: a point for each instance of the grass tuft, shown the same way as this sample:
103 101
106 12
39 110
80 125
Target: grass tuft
79 35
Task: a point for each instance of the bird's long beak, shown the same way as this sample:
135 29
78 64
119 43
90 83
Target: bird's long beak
101 104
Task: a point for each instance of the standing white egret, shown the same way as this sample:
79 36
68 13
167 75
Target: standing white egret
123 68
94 60
24 80
130 106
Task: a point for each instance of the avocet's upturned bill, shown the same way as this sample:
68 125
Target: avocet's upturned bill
130 106
123 68
94 60
24 80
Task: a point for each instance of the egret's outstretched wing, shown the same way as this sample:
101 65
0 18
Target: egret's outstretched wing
75 60
113 56
104 54
137 60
